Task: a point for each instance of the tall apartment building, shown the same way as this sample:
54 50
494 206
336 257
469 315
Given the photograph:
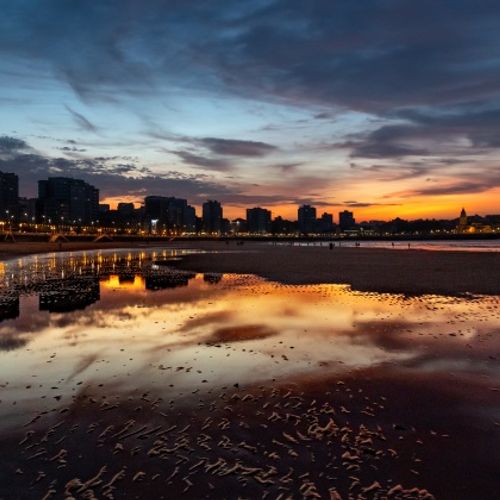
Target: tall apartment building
68 201
258 220
212 217
346 220
307 219
9 196
169 213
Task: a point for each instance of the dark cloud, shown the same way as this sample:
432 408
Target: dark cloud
364 204
81 121
374 57
401 171
462 187
111 176
11 144
463 130
287 167
231 147
317 202
114 177
72 149
323 116
203 161
430 87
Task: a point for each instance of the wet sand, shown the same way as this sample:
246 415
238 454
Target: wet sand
361 436
365 269
235 387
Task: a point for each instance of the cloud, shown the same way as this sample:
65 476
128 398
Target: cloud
116 178
232 147
287 167
328 53
81 121
203 161
463 130
431 98
360 204
11 144
463 187
325 115
72 149
403 171
112 176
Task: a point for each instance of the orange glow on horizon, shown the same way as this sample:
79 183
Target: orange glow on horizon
113 201
425 207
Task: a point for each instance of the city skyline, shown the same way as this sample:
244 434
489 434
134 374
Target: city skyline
352 108
58 197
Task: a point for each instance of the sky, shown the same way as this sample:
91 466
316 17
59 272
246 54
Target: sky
383 107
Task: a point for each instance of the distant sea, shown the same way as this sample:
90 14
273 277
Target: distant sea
438 245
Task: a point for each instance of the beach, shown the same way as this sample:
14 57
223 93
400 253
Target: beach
159 373
365 269
378 270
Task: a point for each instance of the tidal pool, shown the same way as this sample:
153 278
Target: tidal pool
122 324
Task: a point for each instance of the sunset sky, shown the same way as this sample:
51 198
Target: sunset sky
387 107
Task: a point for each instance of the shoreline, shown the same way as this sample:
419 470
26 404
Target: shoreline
412 271
364 269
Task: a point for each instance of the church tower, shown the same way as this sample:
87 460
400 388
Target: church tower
462 221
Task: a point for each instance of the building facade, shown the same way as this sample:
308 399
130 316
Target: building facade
463 222
307 219
164 213
325 223
9 196
64 200
212 217
258 220
346 220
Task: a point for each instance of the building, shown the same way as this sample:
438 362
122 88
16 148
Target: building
189 219
258 220
212 217
155 211
283 226
307 219
226 226
325 223
463 223
125 209
346 220
64 200
27 210
169 214
239 225
9 196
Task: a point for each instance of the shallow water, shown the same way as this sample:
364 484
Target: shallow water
123 323
489 245
200 331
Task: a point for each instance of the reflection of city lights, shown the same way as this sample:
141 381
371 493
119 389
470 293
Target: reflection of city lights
114 281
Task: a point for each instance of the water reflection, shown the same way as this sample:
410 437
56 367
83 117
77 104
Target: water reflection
9 308
125 319
72 295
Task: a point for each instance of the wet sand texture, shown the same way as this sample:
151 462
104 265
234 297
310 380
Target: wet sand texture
397 271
